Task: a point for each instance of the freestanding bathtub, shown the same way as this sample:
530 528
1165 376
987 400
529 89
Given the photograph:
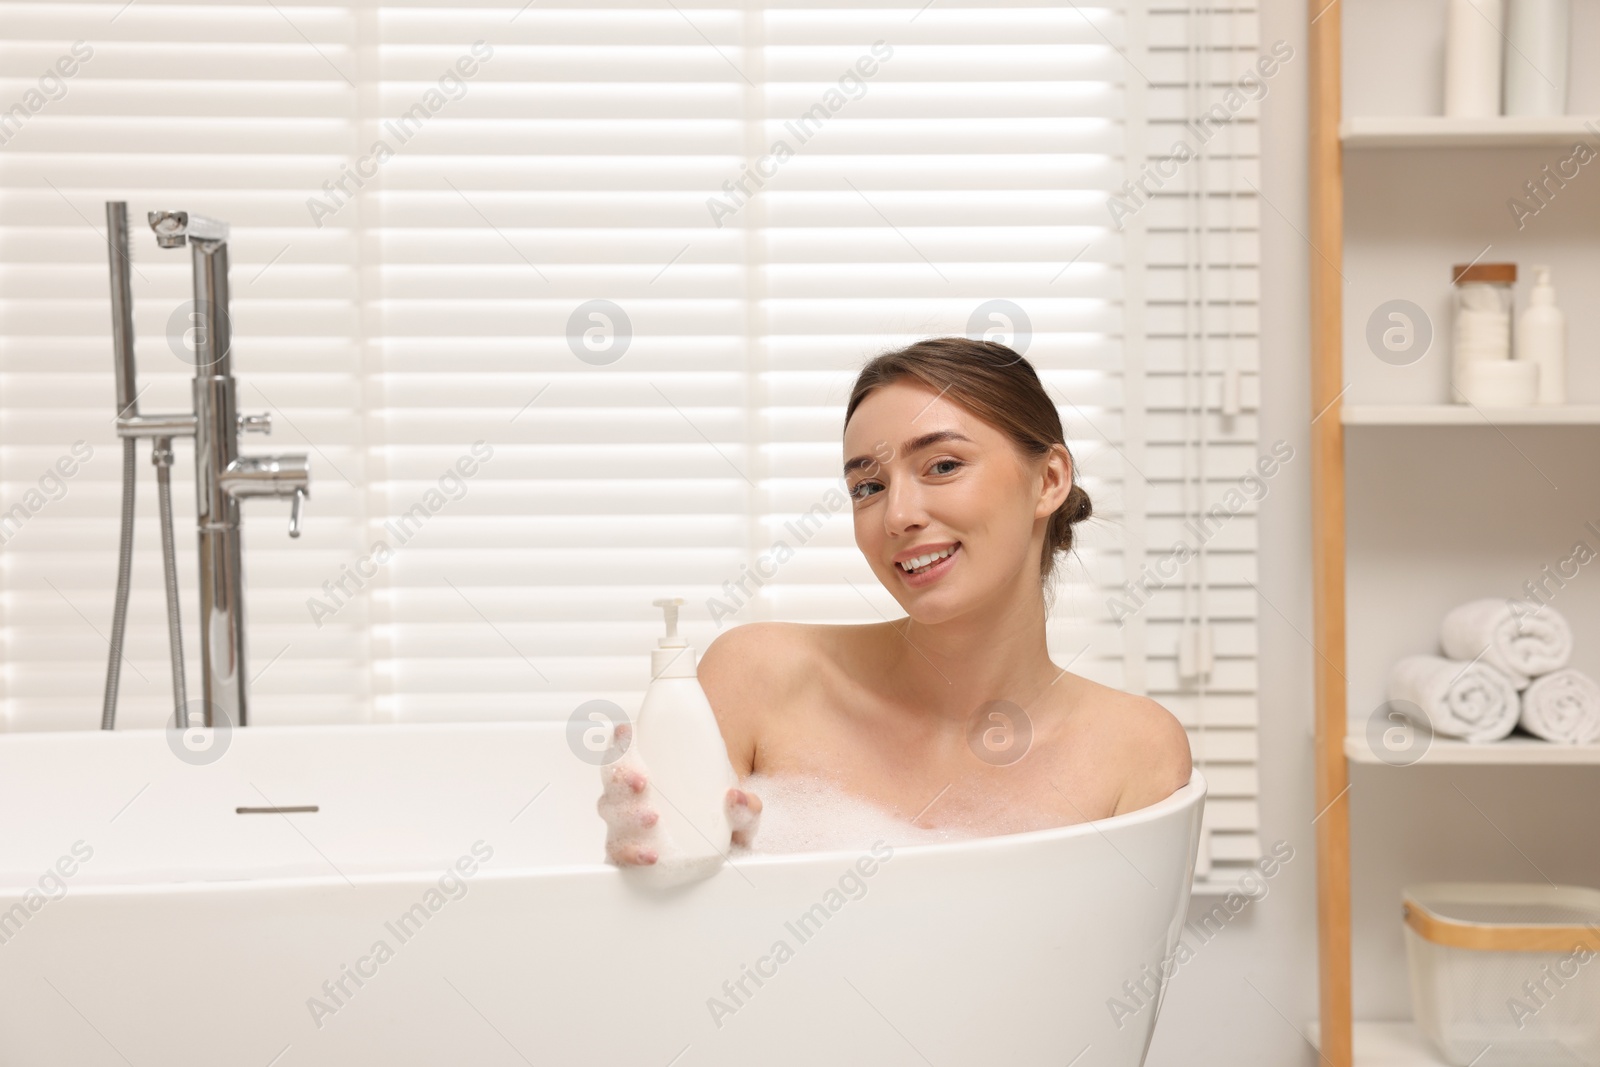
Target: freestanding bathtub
445 904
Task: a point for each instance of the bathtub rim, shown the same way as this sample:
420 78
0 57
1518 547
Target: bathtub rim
1190 795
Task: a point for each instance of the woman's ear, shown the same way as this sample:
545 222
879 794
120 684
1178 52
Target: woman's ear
1055 481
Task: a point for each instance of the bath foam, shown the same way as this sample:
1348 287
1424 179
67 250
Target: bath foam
674 866
806 813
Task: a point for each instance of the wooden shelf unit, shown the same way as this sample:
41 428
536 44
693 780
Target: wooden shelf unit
1332 141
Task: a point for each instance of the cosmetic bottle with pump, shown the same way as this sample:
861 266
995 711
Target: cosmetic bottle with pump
686 763
1542 338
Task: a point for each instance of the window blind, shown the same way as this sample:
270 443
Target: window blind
565 302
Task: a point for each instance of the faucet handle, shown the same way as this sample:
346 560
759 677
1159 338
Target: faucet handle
261 423
294 512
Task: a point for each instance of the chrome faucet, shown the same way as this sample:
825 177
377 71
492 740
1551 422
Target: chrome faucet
222 476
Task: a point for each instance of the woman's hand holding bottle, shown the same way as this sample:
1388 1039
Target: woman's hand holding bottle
632 836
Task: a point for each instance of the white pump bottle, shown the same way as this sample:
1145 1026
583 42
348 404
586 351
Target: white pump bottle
686 760
1542 338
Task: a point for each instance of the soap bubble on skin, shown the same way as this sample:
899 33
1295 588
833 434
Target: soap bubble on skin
807 813
799 813
630 819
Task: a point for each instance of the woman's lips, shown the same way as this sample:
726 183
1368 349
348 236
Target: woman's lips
935 571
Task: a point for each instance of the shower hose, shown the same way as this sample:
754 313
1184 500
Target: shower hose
161 457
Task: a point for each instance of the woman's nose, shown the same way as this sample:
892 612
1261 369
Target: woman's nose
904 510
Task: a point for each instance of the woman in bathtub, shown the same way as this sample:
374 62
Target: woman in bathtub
954 715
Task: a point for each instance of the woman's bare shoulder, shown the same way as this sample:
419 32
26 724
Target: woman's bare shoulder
1145 743
752 670
768 650
781 654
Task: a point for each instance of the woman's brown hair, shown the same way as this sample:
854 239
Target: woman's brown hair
1002 389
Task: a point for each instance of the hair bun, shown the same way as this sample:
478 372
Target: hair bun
1077 505
1073 510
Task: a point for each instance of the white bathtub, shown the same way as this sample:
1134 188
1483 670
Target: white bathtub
166 928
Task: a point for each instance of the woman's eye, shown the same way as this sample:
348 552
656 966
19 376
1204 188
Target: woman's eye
858 491
951 463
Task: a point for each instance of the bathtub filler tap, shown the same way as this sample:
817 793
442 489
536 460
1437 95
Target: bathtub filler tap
222 476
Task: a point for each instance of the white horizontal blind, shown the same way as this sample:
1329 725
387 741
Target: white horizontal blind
580 248
571 170
954 195
1197 200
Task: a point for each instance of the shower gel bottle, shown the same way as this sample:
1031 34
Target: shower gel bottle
686 760
1542 338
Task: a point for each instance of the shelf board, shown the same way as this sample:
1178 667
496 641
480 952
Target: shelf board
1384 1045
1467 415
1513 750
1436 131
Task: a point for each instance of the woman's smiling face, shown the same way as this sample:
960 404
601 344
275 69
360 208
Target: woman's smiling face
926 477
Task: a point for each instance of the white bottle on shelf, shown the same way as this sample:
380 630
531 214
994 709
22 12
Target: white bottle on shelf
686 760
1542 338
1472 58
1537 33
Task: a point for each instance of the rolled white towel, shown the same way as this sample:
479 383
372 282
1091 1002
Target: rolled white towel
1517 639
1563 706
1459 699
